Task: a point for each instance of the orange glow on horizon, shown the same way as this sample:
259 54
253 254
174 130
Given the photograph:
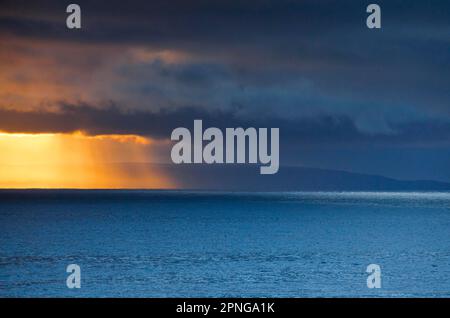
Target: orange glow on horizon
78 161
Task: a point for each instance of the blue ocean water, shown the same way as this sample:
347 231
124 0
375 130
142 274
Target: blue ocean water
200 244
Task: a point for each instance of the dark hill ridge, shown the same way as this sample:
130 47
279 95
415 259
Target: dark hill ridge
247 178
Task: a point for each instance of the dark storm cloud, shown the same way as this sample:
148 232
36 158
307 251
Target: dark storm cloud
333 31
312 131
299 61
236 21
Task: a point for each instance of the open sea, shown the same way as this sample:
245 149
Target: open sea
214 244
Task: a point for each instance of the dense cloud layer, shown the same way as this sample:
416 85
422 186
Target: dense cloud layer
295 58
304 131
311 68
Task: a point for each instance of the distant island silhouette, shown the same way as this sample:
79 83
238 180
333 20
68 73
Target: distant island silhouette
289 178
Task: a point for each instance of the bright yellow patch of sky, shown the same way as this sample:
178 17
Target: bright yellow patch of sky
77 161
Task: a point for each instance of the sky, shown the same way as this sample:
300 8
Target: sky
345 97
